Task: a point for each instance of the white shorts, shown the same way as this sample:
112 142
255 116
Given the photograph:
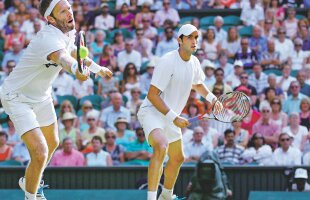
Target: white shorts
150 118
27 115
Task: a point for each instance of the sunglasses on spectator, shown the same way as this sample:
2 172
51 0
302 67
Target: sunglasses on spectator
244 77
136 92
113 91
140 134
265 111
294 86
166 3
110 136
285 139
276 102
298 45
199 133
258 138
88 107
91 119
281 33
219 74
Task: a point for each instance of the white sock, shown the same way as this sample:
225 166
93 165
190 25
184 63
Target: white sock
167 193
29 196
151 195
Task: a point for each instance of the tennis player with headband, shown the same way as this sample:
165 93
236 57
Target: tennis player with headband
26 92
175 74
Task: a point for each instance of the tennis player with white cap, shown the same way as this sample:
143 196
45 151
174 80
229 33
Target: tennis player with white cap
26 92
175 74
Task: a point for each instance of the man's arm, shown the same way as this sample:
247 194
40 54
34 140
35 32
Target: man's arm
207 94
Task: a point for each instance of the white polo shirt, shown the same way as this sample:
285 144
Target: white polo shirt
34 74
175 77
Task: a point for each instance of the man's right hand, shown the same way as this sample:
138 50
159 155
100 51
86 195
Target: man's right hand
181 122
84 75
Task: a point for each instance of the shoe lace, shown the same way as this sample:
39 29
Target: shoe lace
40 192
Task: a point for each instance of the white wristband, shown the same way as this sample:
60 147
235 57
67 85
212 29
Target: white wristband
94 67
210 97
171 115
74 67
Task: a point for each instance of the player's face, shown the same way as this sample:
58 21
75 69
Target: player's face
63 16
189 43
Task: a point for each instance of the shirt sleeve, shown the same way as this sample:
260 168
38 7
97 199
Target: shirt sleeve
162 75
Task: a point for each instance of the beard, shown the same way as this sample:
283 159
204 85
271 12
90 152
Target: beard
64 26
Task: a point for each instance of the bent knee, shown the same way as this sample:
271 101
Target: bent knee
161 149
178 159
39 153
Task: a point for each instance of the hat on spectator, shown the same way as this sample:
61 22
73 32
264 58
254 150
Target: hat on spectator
301 173
151 63
121 120
238 63
207 63
264 105
244 89
68 116
93 114
104 5
187 29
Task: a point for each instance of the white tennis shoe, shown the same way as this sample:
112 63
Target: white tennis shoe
40 193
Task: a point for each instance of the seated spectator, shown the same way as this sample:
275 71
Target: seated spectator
270 57
143 45
130 79
67 156
285 80
149 31
292 103
193 99
129 55
252 14
258 151
14 54
272 83
7 19
13 137
125 19
124 136
107 58
300 181
82 120
145 78
290 23
257 42
196 146
225 65
233 79
266 126
96 47
286 155
297 57
187 135
83 88
138 151
119 3
144 15
210 45
110 114
258 78
66 106
69 130
10 65
166 13
270 94
192 111
304 87
98 157
169 43
305 36
305 112
307 73
269 30
246 88
306 158
208 67
118 43
63 85
231 44
230 153
28 26
201 55
5 149
210 137
16 36
246 55
133 106
21 154
219 81
296 131
241 135
283 45
116 151
105 21
277 115
220 33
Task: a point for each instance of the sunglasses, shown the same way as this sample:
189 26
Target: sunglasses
110 136
265 111
285 139
219 74
244 77
199 133
91 119
140 134
88 107
137 92
256 138
295 86
275 102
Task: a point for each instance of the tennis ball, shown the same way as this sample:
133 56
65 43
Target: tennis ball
83 52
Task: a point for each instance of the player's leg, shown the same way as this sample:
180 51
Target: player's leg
52 139
160 146
171 172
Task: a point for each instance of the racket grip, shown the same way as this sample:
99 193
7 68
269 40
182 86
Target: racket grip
194 119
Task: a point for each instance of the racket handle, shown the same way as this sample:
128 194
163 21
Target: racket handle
194 119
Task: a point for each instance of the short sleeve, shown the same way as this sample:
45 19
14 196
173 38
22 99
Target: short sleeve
199 75
162 74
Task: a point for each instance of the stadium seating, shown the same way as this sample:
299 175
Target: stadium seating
95 99
232 20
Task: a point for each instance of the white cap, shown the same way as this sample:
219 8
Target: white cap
207 63
186 30
238 63
301 173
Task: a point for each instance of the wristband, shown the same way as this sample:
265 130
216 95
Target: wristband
210 97
74 67
171 115
94 67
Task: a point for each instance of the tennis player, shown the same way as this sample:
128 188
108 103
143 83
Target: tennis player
26 93
175 75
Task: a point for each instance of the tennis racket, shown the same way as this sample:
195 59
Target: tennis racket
236 106
80 41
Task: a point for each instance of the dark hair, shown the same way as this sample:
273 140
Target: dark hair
219 69
3 133
96 137
269 89
192 105
251 142
228 131
126 71
44 4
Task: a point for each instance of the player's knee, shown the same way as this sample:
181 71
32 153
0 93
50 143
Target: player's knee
179 159
161 150
54 144
40 154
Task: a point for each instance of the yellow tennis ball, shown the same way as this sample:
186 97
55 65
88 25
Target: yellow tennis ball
83 52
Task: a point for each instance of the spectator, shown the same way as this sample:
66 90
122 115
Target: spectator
257 42
283 45
13 138
305 112
210 136
201 55
138 151
269 30
15 37
270 94
231 44
66 106
277 9
296 131
304 87
129 55
223 64
270 58
96 47
252 14
10 65
166 13
233 79
292 103
258 79
245 54
36 28
145 78
15 54
133 105
144 16
82 88
305 36
307 73
28 26
258 151
143 45
124 136
192 99
149 31
82 120
125 19
118 43
241 135
3 15
272 83
182 5
277 115
107 57
300 181
5 149
210 45
119 3
270 15
192 111
63 85
208 67
220 33
230 153
298 56
105 21
67 156
69 130
290 23
246 88
286 155
285 80
196 146
7 29
219 81
98 157
168 44
130 79
116 151
21 154
266 126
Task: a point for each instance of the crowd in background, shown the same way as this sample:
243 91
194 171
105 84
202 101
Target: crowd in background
264 52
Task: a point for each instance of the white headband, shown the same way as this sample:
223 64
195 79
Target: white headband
50 8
